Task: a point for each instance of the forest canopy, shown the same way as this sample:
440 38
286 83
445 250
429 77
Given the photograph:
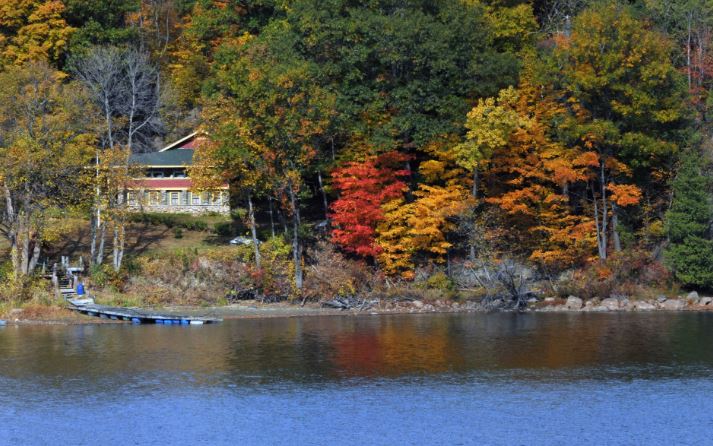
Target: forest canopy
557 134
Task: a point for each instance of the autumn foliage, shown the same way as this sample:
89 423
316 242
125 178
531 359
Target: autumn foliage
364 187
427 134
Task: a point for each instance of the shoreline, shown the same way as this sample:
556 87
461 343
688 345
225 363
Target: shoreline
57 315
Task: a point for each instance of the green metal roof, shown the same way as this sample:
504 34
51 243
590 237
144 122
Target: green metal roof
176 157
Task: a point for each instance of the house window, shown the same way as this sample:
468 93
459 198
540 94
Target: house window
175 198
154 197
131 198
205 197
196 198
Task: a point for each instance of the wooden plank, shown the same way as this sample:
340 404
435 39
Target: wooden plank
87 306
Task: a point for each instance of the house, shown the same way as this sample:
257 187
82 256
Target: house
165 185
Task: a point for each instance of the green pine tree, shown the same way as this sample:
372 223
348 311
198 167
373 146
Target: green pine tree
690 252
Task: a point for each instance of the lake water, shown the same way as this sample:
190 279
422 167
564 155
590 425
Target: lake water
499 379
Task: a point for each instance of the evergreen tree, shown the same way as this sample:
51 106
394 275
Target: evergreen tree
690 253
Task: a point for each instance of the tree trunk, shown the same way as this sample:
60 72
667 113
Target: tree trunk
475 183
605 216
93 238
102 243
615 227
600 249
475 196
324 196
296 245
272 219
283 221
448 263
115 246
12 228
25 247
122 242
253 231
36 250
96 215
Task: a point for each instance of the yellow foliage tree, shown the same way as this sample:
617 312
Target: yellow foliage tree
33 30
421 226
489 124
45 144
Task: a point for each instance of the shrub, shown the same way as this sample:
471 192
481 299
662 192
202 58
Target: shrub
23 290
224 229
104 276
206 276
628 273
330 274
440 281
183 221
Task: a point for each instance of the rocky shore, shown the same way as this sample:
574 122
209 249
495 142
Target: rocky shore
690 302
249 309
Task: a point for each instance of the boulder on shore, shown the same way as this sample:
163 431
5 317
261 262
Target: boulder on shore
673 304
641 305
705 301
573 303
610 303
692 298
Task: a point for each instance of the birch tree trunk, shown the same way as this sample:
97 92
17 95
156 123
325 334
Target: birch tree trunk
605 217
115 246
12 227
602 252
253 231
102 243
96 222
36 251
615 227
296 245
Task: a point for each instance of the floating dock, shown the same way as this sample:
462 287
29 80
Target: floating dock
135 315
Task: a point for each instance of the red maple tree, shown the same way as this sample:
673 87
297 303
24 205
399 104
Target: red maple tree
363 187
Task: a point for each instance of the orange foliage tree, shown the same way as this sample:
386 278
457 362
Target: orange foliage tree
532 176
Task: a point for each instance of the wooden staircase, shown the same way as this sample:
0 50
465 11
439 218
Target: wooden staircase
64 277
66 287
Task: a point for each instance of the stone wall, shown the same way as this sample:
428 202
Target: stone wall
195 209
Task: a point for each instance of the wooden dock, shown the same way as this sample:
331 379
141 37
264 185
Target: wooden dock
136 315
